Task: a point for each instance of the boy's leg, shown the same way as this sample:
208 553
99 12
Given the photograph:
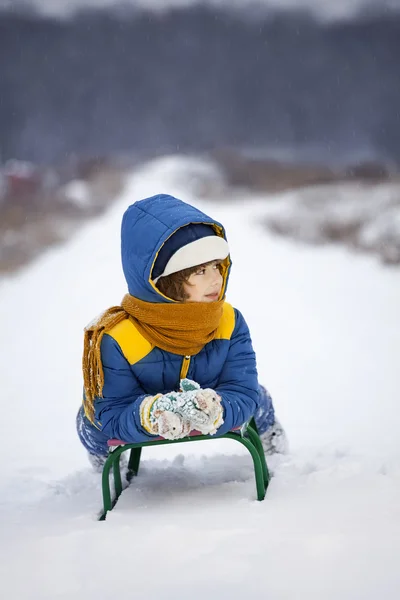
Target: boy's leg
265 415
97 449
272 434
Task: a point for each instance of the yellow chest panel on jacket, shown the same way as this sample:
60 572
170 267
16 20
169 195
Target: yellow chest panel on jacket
135 347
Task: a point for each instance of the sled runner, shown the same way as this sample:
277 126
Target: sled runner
247 436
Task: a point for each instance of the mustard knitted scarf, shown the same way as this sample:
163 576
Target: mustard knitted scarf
181 328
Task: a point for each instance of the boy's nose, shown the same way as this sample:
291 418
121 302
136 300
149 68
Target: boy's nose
216 277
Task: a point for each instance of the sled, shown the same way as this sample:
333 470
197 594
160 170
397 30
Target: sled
247 436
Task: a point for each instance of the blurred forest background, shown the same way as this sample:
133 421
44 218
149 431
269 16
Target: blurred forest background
295 104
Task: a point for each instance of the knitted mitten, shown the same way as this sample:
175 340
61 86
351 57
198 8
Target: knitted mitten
208 402
176 414
159 416
171 426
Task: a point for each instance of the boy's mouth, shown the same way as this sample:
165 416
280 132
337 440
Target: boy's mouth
213 296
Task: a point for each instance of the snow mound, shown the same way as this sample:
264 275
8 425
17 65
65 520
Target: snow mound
358 215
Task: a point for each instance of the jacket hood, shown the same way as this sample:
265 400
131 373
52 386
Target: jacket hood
146 225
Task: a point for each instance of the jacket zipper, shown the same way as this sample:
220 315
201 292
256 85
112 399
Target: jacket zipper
185 367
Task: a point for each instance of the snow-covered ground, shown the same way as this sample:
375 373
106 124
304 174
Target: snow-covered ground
360 215
326 328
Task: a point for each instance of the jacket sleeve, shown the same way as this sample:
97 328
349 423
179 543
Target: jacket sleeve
117 412
238 382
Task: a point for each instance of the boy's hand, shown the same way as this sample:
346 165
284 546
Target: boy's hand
158 416
175 415
171 426
209 403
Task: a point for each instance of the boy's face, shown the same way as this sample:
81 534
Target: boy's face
204 285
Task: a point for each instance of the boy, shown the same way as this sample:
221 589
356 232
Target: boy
174 358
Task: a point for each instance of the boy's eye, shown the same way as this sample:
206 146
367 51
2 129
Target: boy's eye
213 266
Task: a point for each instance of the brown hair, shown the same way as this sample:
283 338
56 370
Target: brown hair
172 285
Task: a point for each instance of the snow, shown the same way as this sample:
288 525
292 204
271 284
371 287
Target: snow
361 215
325 324
77 191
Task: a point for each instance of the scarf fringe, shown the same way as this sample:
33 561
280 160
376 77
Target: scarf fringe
92 367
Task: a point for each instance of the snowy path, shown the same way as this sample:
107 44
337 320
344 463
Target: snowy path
326 328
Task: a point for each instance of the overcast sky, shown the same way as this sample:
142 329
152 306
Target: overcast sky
327 8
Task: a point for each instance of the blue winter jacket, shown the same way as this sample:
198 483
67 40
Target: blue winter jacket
133 368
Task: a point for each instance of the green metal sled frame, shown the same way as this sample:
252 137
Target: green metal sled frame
250 439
